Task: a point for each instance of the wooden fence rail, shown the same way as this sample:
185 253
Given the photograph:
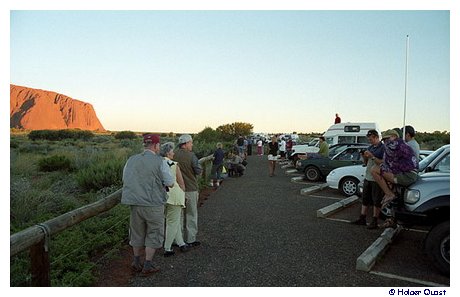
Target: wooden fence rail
36 238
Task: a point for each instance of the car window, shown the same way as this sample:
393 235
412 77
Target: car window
346 139
444 164
348 155
336 149
362 139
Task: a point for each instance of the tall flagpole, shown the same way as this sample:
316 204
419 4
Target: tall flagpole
405 86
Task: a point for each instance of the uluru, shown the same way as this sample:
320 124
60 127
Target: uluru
35 109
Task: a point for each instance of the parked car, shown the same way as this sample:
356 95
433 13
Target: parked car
318 168
347 179
299 151
427 203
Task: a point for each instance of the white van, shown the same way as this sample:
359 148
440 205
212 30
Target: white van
337 133
349 133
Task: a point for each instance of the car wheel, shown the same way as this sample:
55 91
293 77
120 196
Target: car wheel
349 186
312 173
437 246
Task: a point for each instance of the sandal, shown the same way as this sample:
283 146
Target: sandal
389 223
387 199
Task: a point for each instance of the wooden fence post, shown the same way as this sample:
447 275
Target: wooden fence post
40 265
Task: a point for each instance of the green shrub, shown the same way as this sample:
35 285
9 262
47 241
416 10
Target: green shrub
100 175
125 135
24 164
55 163
60 134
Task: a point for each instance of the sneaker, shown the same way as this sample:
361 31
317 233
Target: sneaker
386 211
185 248
372 225
360 221
149 271
194 244
136 267
168 253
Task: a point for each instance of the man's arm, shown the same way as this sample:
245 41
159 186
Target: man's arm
196 165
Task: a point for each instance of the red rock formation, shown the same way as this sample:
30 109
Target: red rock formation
35 109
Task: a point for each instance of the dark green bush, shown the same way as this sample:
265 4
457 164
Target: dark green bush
60 134
55 163
99 175
125 135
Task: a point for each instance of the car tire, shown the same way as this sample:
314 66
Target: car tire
437 247
312 173
349 186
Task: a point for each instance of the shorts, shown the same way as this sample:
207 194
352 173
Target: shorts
282 154
406 179
372 194
146 226
272 158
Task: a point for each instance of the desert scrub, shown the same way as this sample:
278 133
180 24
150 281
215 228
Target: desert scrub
100 175
55 163
125 135
24 164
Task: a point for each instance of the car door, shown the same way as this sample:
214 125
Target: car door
350 156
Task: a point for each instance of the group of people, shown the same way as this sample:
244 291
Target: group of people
160 186
391 162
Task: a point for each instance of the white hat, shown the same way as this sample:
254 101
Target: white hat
185 138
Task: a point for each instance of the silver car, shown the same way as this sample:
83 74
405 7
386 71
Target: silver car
347 179
427 203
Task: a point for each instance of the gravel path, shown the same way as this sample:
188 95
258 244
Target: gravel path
258 230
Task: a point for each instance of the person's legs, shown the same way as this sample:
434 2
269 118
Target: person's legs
214 177
219 171
136 237
364 207
377 196
191 216
173 226
382 180
175 218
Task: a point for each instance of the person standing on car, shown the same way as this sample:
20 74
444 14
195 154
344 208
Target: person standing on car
145 178
372 193
337 120
190 169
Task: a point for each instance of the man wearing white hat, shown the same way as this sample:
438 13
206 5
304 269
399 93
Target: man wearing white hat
191 169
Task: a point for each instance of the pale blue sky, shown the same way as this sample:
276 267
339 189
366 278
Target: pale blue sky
282 71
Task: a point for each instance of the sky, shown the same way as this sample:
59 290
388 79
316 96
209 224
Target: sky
282 71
